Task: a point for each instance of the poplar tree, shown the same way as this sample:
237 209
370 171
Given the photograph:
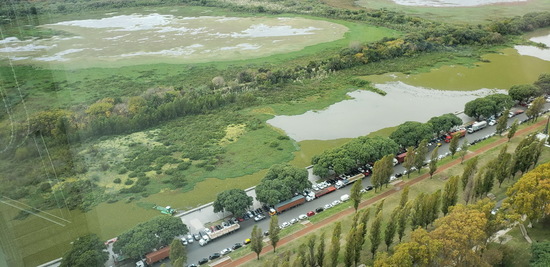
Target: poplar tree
418 212
356 193
274 231
374 234
404 197
502 122
502 169
409 160
421 153
380 206
349 253
433 162
359 241
402 221
311 246
453 146
391 227
469 171
321 251
256 243
335 244
450 194
432 206
302 258
464 150
513 130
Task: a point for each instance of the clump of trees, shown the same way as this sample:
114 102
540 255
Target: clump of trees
235 201
150 235
488 106
86 250
358 151
280 183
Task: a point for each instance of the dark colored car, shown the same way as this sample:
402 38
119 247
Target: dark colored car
214 256
203 261
319 209
369 187
266 233
237 246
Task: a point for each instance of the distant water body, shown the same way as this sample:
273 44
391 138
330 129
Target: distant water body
452 3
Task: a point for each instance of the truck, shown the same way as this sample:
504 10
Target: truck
477 126
345 182
401 157
165 210
460 134
155 256
227 230
325 191
288 204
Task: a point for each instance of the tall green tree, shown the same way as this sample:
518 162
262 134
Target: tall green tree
281 182
235 201
382 171
523 92
402 221
469 171
274 231
432 205
450 194
480 107
464 150
391 227
534 111
380 206
421 153
541 254
453 146
301 260
374 234
543 83
177 251
444 123
256 242
411 133
86 251
433 161
320 256
513 130
356 193
404 196
503 167
349 252
409 160
311 247
335 244
359 240
502 122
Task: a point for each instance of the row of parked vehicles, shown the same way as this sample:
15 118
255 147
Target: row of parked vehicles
217 255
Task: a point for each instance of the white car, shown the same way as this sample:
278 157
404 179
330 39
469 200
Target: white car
190 239
336 202
295 220
492 122
285 225
302 217
226 251
184 241
328 206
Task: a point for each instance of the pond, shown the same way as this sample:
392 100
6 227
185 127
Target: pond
453 3
368 111
142 38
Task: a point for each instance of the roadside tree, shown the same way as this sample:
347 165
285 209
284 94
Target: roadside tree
464 150
409 160
404 196
444 123
421 153
433 161
256 242
146 236
86 250
543 82
411 133
480 107
453 146
512 130
177 251
502 122
533 112
523 92
274 231
356 193
502 101
235 201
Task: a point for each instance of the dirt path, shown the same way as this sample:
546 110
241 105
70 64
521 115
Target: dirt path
313 227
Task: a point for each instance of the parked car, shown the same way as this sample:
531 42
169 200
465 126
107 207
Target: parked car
295 220
320 209
259 218
226 251
311 213
192 265
328 206
237 246
247 241
184 241
302 217
203 261
214 256
336 202
190 238
197 237
284 225
266 233
492 122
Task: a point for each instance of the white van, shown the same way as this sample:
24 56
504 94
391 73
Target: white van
344 198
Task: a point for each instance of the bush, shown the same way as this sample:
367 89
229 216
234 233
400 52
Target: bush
158 171
129 182
178 181
122 170
202 164
132 175
170 171
274 144
105 166
184 165
95 177
209 167
117 181
283 137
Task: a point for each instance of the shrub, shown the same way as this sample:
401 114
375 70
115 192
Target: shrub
105 166
209 167
283 137
122 170
95 177
274 144
117 181
132 175
184 165
129 182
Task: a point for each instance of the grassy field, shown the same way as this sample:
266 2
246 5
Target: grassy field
425 186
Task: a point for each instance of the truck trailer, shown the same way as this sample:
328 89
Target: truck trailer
288 204
477 126
154 256
325 191
227 230
401 157
460 134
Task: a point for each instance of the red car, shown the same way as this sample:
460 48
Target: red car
311 213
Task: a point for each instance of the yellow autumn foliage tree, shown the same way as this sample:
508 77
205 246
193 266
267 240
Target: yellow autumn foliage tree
530 195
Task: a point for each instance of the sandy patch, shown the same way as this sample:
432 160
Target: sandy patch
232 134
